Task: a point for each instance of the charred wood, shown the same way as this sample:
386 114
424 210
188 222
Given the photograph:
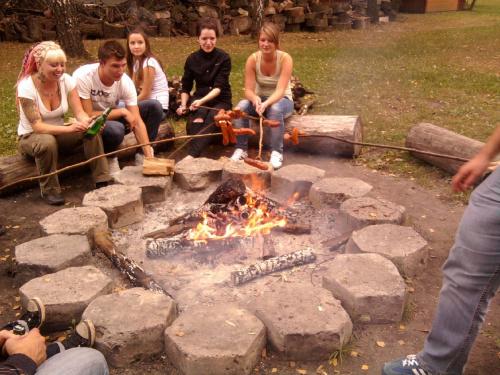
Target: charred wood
168 247
127 266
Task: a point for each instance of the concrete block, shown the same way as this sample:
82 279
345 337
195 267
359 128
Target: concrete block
215 340
297 178
254 178
332 192
369 287
130 324
303 323
122 204
66 294
197 174
52 254
357 213
79 220
154 188
401 245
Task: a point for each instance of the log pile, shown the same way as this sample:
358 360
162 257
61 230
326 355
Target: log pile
27 21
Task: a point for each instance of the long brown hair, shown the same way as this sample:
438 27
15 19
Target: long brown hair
147 54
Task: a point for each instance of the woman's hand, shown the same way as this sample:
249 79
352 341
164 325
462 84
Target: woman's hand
195 105
181 110
263 107
257 103
80 126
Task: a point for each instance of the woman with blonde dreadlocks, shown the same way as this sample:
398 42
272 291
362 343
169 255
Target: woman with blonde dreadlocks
44 94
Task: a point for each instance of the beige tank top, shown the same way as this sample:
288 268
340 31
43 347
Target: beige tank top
264 85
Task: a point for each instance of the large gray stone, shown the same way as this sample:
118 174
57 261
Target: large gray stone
401 245
122 204
215 340
66 294
154 188
255 178
369 287
334 191
130 324
198 173
303 323
52 254
297 178
357 213
79 220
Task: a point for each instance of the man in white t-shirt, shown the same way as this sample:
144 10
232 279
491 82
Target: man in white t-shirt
104 84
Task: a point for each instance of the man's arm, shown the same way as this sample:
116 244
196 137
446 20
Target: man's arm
140 131
113 115
475 168
25 353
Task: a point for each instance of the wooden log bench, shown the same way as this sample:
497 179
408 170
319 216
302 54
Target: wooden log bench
348 127
17 167
432 138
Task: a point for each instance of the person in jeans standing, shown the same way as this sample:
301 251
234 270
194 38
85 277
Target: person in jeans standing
471 275
268 92
104 84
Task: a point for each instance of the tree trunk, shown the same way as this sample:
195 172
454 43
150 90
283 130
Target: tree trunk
65 14
258 17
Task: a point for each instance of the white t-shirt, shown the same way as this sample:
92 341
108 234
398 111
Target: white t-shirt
26 89
89 86
159 90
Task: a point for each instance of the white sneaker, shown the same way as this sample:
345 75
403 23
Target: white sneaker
114 167
189 157
139 159
239 154
276 159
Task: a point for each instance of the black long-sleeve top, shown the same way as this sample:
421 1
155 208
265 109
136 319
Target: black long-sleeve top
209 70
18 364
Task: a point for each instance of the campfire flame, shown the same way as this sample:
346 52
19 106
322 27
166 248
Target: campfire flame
249 219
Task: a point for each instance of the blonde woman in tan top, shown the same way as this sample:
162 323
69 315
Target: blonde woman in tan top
267 92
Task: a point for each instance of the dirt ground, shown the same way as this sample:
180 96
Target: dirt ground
428 212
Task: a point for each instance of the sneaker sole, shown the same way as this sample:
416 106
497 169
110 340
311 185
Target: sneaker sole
36 303
91 329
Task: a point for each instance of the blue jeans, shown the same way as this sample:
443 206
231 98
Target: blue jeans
151 113
471 279
280 110
76 361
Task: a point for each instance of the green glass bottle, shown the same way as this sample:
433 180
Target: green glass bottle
97 124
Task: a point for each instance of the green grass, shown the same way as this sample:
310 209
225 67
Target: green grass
440 68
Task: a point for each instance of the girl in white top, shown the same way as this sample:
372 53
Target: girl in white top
44 94
267 92
146 69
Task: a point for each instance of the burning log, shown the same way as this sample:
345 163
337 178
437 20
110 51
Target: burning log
127 266
279 263
170 231
166 247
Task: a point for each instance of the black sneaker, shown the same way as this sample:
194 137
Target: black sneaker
53 199
35 313
83 336
403 366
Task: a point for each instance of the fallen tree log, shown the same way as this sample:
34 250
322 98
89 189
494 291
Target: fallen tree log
432 138
279 263
127 266
17 167
348 127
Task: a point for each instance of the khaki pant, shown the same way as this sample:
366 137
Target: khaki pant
45 148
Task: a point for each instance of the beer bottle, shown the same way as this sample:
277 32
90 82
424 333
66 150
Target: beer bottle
97 124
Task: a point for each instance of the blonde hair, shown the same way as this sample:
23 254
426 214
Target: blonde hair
272 31
44 51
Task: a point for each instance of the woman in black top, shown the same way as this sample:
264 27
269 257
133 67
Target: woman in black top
209 67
